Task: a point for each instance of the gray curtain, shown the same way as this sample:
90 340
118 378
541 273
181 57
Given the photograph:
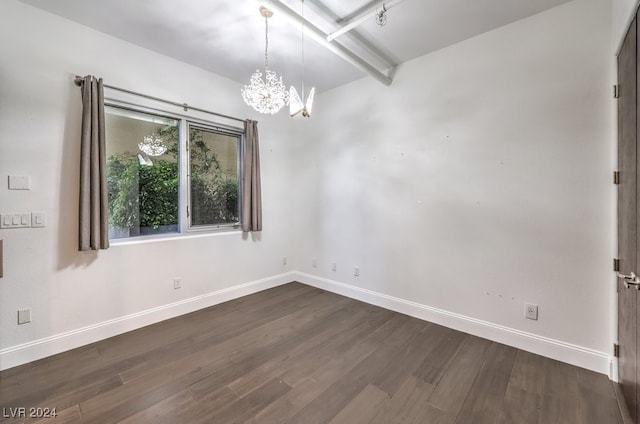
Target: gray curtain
93 164
251 194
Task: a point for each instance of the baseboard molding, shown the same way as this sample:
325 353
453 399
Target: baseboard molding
38 349
555 349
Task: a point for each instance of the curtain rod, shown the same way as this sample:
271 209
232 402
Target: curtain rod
78 81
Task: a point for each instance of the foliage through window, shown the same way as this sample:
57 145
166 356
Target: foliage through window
152 190
213 156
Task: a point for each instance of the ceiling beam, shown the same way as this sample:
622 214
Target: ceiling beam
362 18
321 37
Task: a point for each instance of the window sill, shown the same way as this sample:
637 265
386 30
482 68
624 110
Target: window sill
176 236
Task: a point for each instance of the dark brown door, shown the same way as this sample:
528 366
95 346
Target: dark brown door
628 217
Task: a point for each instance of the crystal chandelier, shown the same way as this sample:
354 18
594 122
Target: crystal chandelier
152 145
268 95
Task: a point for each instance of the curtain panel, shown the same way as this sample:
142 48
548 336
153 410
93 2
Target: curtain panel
94 225
251 190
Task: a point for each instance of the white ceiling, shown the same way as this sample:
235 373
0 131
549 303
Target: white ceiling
227 36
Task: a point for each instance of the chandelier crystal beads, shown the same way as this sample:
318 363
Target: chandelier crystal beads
266 95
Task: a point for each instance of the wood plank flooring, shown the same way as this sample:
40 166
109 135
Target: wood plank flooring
298 354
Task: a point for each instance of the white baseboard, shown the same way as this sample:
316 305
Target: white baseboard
38 349
555 349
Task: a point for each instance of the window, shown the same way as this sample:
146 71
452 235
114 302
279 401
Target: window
213 176
166 174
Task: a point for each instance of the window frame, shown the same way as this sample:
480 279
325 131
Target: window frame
185 229
225 130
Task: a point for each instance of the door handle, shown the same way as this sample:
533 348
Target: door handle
630 280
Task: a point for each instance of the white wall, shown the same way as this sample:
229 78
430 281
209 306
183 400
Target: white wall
39 123
480 180
621 14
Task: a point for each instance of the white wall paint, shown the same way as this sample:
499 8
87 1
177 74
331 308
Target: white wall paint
39 126
480 180
622 12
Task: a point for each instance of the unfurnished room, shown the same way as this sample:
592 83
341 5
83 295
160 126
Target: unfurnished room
319 211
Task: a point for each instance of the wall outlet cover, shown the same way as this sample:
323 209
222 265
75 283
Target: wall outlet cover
531 311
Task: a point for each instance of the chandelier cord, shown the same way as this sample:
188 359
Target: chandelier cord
302 48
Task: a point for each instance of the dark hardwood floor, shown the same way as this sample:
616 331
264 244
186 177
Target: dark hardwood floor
297 354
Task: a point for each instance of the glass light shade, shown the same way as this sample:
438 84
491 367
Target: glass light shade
295 103
267 95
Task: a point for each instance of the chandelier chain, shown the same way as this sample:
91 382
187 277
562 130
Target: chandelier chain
266 43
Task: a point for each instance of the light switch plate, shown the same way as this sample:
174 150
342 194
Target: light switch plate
38 219
6 221
19 182
15 220
24 316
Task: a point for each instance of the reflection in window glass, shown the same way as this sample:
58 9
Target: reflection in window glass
213 165
142 173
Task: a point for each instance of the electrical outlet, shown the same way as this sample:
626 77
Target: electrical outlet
334 266
314 263
177 283
284 260
356 271
531 311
